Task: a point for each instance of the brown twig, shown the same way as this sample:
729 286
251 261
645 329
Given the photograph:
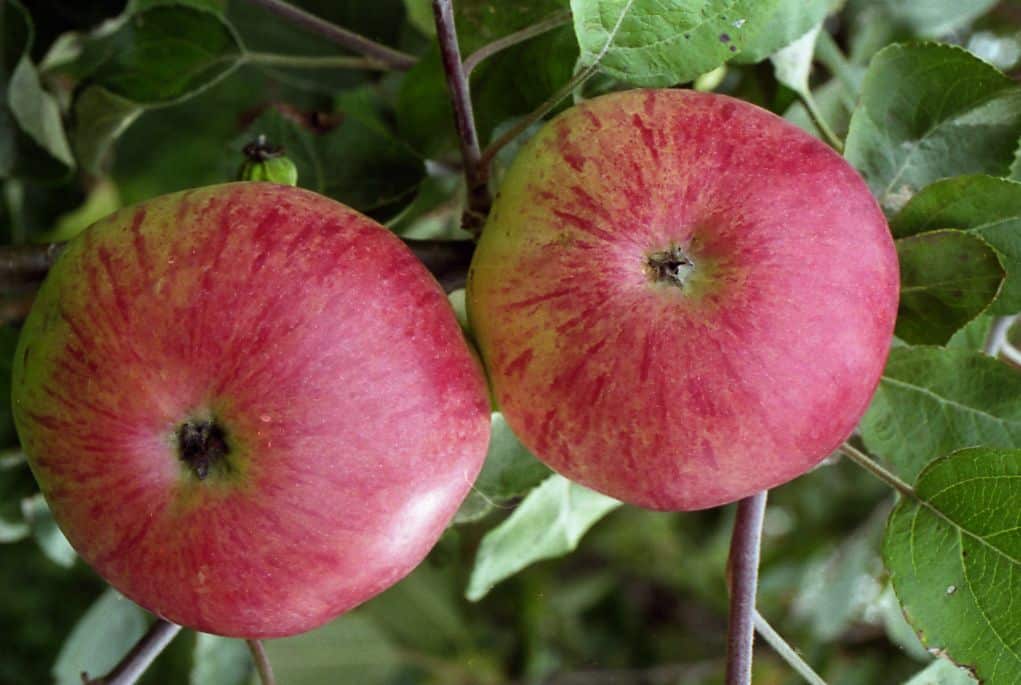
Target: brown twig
23 267
475 173
134 663
262 665
395 59
744 578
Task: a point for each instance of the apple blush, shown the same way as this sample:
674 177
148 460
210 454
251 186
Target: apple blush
249 407
681 299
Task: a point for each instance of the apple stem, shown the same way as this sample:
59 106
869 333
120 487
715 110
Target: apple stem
394 59
475 173
134 663
744 577
788 653
262 665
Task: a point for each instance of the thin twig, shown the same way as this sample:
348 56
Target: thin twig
314 61
545 108
820 121
744 578
475 173
262 665
873 467
786 652
446 260
134 663
510 40
395 59
998 335
19 263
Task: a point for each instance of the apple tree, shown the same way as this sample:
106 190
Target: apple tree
847 171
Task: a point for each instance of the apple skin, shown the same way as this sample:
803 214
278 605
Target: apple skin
354 416
679 397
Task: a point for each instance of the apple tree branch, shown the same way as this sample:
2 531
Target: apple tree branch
744 578
394 59
476 174
134 663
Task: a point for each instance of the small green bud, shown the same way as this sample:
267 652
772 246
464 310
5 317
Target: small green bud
266 162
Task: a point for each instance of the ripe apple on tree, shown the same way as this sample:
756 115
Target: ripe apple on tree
250 408
682 299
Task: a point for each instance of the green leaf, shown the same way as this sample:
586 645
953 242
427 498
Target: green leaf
928 112
947 278
790 21
987 206
932 401
220 661
351 649
936 18
663 43
510 469
162 54
158 56
428 595
104 634
942 672
954 554
480 22
973 336
548 523
101 118
32 138
793 64
44 529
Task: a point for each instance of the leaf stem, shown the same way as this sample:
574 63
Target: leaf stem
475 172
873 467
545 108
744 577
820 122
261 659
394 59
314 61
134 663
786 652
833 58
997 338
510 40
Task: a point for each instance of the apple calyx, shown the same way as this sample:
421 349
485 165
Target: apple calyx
672 266
202 445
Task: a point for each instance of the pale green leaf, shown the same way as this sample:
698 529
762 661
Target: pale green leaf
220 661
928 112
932 401
788 23
44 529
664 42
987 206
106 632
954 554
351 649
936 18
548 523
793 64
947 279
942 672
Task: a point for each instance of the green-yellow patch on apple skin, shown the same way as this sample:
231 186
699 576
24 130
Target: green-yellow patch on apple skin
353 417
682 393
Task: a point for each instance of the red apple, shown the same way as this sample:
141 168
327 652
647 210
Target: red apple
681 299
249 407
